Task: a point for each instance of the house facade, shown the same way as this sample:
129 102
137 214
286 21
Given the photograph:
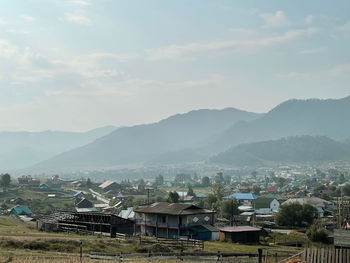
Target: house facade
171 220
266 206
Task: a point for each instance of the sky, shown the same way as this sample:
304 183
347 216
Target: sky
80 64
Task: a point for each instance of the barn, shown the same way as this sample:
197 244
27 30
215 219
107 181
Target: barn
240 234
106 224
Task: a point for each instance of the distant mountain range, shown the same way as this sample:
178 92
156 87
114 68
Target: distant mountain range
23 149
200 135
294 117
143 143
299 149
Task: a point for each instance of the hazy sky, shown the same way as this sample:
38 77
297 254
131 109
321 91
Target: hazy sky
80 64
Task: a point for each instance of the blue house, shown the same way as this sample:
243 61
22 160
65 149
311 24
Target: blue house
243 197
20 210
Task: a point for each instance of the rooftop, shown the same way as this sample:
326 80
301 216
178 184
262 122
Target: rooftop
173 209
232 229
106 184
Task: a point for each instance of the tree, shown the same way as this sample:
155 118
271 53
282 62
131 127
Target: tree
341 178
219 178
5 180
190 191
254 174
256 189
159 180
227 179
173 197
295 214
88 183
210 201
205 181
218 191
229 208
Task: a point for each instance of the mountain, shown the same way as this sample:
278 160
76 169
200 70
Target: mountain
292 149
22 149
142 143
294 117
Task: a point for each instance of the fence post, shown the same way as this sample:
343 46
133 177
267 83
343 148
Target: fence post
260 255
81 251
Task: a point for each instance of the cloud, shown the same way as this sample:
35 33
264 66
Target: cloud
3 22
295 75
7 49
278 19
345 29
188 51
79 2
340 69
28 18
314 51
76 18
309 19
122 57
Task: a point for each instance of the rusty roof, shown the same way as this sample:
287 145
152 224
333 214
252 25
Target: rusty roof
106 184
239 229
173 209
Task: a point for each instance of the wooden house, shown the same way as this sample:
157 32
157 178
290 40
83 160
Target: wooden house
171 220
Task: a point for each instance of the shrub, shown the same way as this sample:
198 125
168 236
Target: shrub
317 234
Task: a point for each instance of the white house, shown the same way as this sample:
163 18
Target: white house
266 206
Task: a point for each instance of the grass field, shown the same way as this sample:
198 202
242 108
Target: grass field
21 242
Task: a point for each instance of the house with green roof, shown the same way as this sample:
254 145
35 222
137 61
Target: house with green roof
266 206
20 210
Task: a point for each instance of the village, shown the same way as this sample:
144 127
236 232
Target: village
285 207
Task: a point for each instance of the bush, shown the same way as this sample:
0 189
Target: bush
317 234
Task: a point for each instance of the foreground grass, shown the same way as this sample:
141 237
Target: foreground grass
21 242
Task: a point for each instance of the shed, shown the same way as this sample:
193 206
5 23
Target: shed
240 234
204 232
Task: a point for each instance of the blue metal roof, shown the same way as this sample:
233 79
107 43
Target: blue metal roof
242 196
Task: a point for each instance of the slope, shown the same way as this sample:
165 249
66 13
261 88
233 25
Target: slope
292 149
142 142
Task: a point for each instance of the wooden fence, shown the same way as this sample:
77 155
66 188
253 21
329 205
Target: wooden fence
200 257
327 255
173 243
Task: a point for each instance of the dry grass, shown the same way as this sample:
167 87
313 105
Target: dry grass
21 242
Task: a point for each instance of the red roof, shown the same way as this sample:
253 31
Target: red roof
272 190
239 229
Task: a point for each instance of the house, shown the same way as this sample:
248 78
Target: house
27 180
246 198
121 197
273 190
127 213
240 234
171 220
20 210
85 205
320 204
108 185
189 199
78 195
266 206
